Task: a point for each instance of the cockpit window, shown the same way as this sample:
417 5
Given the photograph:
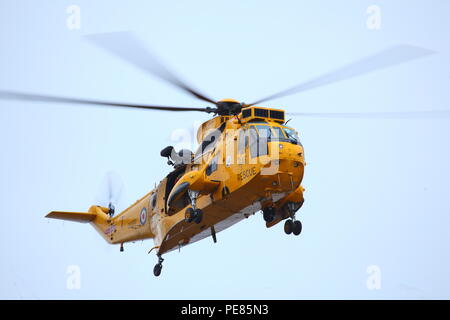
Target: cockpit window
253 142
258 140
270 133
264 132
243 141
277 133
260 134
212 166
292 135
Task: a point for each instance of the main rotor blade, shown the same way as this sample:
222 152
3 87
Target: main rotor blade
126 46
10 95
381 60
431 114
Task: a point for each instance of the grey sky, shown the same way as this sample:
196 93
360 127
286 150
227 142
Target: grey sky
376 189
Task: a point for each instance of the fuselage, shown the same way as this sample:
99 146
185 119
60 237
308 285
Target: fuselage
241 167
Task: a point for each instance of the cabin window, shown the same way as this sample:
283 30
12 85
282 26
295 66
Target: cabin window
212 166
153 201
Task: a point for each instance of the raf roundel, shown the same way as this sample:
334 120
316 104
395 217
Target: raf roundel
143 216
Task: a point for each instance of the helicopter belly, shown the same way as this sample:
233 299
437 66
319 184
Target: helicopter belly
223 212
230 221
170 243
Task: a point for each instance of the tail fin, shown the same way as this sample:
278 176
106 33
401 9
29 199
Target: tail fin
96 216
82 217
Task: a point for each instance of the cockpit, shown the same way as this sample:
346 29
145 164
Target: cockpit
274 133
258 134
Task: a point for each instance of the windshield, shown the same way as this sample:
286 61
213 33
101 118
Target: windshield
270 133
292 135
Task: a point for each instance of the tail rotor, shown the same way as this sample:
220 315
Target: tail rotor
110 192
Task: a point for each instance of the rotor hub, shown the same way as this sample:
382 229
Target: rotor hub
227 107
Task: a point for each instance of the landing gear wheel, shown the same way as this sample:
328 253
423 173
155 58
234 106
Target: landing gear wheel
297 228
189 215
198 216
157 269
288 226
269 214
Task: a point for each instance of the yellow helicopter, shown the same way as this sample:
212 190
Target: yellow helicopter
248 159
